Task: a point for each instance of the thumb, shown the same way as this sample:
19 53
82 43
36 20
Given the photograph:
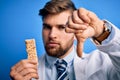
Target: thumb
80 46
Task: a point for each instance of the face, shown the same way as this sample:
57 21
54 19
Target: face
57 42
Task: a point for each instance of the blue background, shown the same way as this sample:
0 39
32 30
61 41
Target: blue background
19 20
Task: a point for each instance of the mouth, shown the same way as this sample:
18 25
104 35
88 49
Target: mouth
52 44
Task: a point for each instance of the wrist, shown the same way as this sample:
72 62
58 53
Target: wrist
106 32
99 28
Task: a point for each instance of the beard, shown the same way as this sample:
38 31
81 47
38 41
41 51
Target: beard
59 50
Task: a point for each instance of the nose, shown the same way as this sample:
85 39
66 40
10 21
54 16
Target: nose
53 33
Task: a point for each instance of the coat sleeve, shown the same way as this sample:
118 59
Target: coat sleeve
111 46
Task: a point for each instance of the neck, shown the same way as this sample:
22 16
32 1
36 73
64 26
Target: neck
68 52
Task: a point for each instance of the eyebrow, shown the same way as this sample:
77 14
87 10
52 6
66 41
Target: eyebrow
45 24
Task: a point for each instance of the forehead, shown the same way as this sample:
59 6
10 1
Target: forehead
60 18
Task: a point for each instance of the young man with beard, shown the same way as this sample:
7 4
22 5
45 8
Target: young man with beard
62 24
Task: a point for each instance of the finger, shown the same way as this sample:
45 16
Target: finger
15 76
18 77
83 14
27 71
12 73
30 76
76 19
24 64
32 61
93 19
15 66
73 25
79 31
69 30
80 46
92 16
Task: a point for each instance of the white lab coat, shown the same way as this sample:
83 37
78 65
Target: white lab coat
101 64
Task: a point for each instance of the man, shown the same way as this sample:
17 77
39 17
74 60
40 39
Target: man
62 24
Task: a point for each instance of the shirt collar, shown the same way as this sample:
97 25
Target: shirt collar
70 57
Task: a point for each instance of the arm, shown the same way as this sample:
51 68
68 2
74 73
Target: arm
111 46
86 24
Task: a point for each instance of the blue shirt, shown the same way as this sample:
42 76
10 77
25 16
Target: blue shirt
50 68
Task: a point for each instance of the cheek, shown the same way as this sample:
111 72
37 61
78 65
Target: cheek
67 38
44 36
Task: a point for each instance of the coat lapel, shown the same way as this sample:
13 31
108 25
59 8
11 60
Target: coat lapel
85 67
41 68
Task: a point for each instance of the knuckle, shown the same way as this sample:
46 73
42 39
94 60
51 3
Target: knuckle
81 10
29 70
76 20
12 73
70 25
67 29
82 15
23 61
12 68
18 77
29 76
15 76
